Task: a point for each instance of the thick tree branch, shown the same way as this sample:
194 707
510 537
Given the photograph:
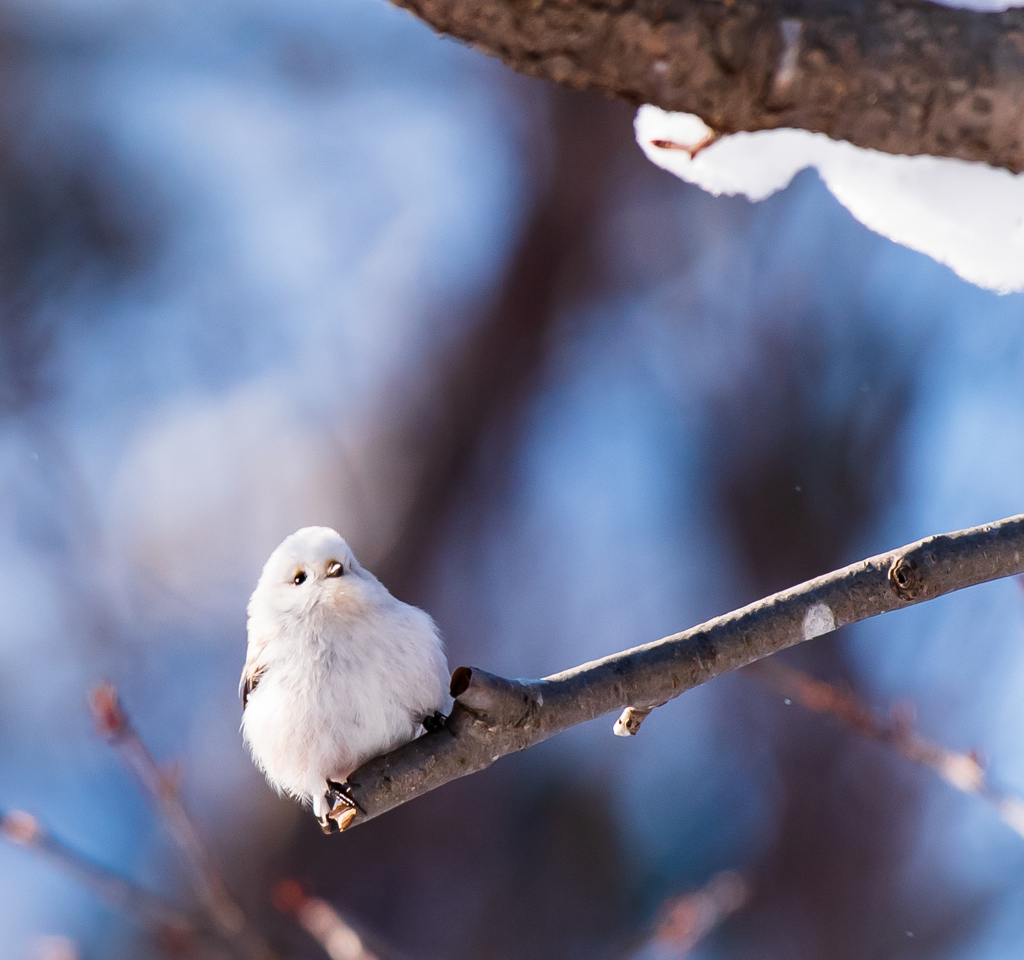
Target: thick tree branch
904 77
493 716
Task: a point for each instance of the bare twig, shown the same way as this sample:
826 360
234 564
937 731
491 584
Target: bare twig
906 78
685 920
321 921
493 716
228 919
628 724
961 770
174 930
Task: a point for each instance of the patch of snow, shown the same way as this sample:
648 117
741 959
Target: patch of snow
968 216
818 621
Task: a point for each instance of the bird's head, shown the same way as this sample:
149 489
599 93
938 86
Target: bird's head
313 569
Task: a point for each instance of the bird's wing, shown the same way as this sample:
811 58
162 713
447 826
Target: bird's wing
252 673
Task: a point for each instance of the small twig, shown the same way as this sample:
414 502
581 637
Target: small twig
629 722
493 716
960 770
687 919
228 919
321 921
706 141
169 926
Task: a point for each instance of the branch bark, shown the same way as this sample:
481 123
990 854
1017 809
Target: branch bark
494 716
901 76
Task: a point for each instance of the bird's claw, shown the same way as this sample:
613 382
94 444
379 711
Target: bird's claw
343 808
435 722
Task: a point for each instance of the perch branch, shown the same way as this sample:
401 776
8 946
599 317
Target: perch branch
493 716
960 770
228 918
902 76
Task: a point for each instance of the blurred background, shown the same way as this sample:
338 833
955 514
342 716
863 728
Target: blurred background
268 263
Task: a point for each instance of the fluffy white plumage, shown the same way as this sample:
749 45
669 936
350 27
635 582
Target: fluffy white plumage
338 670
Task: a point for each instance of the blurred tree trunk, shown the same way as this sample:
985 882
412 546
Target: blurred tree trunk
487 383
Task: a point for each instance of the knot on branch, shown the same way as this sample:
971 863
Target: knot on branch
910 576
494 700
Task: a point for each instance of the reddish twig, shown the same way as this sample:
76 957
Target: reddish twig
321 921
169 926
685 920
706 141
228 919
960 770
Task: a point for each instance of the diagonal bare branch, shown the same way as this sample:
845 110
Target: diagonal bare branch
168 925
228 918
493 716
960 770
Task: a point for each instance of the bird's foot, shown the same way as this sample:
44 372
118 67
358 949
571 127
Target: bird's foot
435 722
337 809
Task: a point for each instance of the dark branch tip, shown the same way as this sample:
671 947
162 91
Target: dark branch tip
494 700
462 677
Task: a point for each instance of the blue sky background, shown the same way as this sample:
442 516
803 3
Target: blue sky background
267 264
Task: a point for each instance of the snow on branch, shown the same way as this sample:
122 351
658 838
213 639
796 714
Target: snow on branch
964 215
494 716
904 78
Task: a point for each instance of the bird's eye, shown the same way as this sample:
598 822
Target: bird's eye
335 569
300 577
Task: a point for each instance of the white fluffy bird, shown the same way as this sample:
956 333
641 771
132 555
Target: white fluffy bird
338 671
